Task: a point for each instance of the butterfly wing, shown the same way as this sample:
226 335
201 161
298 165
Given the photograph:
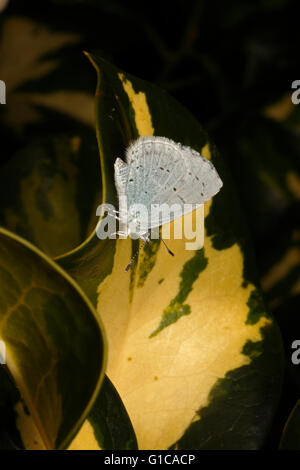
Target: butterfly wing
164 172
121 176
202 179
156 172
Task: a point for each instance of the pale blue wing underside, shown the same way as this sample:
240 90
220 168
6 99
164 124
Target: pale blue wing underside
159 171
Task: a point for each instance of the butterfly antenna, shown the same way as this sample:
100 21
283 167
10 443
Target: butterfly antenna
168 249
133 258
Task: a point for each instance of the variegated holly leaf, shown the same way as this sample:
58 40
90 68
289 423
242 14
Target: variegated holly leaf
23 73
51 200
192 352
107 426
51 197
54 348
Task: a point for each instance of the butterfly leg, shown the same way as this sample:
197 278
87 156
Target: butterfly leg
114 213
145 237
124 234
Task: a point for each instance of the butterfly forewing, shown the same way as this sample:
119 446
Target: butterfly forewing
154 165
160 171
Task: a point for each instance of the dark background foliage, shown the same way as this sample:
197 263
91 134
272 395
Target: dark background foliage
232 64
